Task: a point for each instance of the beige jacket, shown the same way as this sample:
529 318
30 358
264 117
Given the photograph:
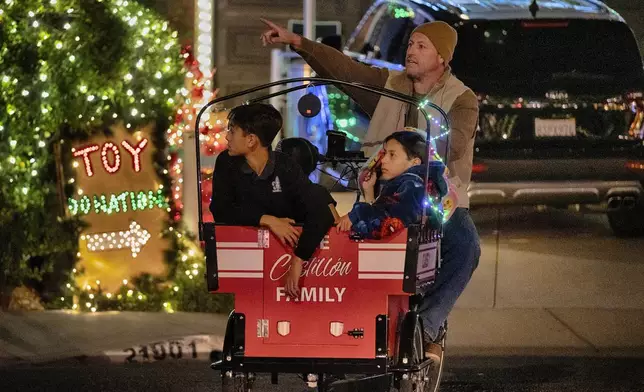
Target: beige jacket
388 116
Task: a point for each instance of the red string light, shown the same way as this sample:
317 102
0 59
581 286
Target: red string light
135 152
85 154
117 158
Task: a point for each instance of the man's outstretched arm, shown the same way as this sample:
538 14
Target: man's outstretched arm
328 62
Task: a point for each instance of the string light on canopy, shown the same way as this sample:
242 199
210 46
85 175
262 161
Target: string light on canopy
441 208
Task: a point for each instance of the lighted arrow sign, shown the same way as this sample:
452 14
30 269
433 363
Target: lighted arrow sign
134 239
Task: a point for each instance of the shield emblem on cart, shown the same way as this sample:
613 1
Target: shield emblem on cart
337 328
283 328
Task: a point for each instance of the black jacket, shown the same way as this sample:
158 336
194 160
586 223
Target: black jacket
240 197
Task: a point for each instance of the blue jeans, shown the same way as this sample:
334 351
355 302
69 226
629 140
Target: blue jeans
460 252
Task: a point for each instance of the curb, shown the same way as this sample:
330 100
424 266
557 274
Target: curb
193 347
204 348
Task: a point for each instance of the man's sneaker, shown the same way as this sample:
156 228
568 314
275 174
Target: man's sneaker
434 351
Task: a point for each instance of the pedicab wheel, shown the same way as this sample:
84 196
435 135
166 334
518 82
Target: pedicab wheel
236 382
426 380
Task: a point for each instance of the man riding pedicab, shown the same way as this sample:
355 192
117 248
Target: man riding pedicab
427 75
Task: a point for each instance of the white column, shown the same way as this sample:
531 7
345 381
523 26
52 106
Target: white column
203 51
309 28
190 177
309 19
204 22
277 64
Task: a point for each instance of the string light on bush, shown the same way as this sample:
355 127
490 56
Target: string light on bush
150 61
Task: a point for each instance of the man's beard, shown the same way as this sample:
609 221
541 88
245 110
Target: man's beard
413 78
418 75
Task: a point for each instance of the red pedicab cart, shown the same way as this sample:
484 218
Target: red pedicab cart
357 310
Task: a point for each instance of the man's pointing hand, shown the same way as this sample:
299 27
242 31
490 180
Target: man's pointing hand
276 34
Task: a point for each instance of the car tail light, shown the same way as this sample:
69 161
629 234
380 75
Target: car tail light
337 328
635 166
283 328
544 25
478 168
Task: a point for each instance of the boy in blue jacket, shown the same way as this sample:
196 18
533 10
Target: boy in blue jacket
401 199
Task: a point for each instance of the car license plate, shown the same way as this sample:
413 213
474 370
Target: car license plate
555 127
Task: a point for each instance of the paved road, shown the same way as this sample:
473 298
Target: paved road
463 375
553 259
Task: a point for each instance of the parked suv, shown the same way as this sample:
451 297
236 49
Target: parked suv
560 89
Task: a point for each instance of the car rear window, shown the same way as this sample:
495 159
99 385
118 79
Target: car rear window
584 51
385 32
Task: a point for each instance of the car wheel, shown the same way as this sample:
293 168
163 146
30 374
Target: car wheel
627 223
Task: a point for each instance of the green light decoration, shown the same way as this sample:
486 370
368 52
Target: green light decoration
345 123
401 12
115 203
341 114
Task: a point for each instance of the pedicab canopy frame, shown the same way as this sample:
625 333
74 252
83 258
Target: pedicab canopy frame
331 328
312 82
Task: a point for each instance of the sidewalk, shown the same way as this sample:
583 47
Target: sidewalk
546 332
40 337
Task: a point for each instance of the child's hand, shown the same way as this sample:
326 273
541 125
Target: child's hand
293 278
344 224
282 228
369 181
368 186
